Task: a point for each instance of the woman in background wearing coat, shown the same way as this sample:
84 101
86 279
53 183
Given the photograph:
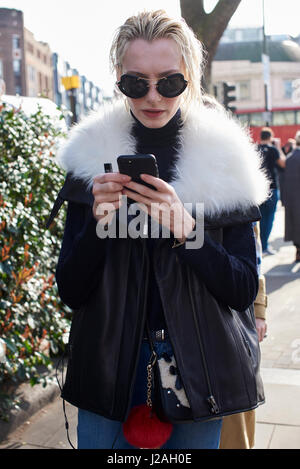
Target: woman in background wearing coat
292 198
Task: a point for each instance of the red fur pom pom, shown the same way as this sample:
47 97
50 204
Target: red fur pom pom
144 430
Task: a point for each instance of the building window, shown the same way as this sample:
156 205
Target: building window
256 119
1 68
31 73
243 91
40 82
284 118
17 67
16 42
30 48
288 88
18 90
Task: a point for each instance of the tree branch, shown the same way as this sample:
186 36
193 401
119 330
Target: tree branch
208 27
194 11
218 20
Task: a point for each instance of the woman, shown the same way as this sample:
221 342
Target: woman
189 296
291 190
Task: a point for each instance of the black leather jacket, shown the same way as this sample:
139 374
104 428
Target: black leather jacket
216 347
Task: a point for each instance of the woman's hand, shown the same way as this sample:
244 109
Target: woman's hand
162 204
261 327
107 191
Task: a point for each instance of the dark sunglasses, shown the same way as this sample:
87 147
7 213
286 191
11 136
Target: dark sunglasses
136 87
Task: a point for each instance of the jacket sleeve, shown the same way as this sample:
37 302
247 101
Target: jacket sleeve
82 252
229 270
261 301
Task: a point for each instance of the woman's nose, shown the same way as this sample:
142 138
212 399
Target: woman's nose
153 95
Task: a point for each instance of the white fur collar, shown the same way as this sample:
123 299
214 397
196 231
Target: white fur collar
217 163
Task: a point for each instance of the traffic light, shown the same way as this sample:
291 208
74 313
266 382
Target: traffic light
228 98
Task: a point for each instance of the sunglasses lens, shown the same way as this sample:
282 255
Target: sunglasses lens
133 87
172 86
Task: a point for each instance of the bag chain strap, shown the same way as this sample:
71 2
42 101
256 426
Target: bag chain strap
150 366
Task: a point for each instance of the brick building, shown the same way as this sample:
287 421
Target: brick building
39 70
12 58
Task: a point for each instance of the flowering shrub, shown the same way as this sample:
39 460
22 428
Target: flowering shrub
33 321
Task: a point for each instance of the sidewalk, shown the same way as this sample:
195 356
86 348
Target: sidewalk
278 421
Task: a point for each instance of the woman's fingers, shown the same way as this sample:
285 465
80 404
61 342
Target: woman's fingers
102 210
111 177
109 182
106 187
107 197
107 191
144 194
158 183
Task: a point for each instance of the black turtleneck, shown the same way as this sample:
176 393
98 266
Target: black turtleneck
163 144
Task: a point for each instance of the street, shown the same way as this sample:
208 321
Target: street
278 421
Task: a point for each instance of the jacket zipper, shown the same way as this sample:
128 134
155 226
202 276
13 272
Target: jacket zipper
145 262
210 399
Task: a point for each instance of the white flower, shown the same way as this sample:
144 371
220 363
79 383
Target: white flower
65 337
2 351
31 322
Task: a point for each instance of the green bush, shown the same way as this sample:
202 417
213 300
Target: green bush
33 321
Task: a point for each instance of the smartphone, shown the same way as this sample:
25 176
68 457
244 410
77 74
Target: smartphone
135 165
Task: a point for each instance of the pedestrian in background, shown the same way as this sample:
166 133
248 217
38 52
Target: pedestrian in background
271 160
287 149
292 198
196 302
289 146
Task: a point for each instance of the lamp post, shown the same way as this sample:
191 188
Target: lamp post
71 84
266 72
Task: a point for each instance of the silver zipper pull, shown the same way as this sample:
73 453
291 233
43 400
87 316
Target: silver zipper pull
213 405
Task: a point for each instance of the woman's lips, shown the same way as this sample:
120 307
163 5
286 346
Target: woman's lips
153 113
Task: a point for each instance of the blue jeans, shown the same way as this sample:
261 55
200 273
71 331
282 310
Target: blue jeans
267 210
97 432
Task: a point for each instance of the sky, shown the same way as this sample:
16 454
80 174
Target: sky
81 31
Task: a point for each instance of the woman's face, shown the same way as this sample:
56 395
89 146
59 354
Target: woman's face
153 60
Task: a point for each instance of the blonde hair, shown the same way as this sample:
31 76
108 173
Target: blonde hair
151 25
